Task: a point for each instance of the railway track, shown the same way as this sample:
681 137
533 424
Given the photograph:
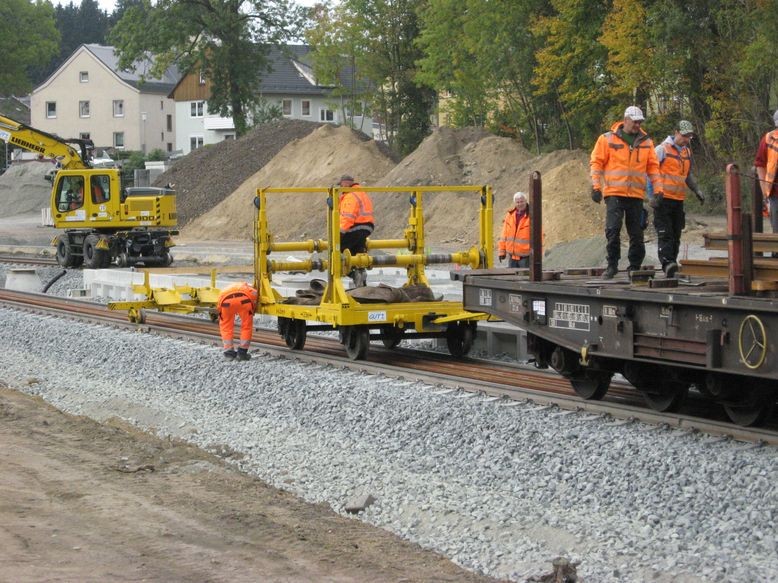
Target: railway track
28 260
494 379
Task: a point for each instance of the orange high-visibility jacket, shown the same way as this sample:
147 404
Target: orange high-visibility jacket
356 208
514 240
771 139
674 168
620 170
238 291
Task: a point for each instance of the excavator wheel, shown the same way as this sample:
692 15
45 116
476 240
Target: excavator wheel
65 257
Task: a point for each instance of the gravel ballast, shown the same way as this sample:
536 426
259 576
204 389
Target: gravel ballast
500 487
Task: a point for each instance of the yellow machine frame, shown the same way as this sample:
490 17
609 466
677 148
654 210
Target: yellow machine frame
340 310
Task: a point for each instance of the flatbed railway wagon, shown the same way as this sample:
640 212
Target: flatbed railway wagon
663 335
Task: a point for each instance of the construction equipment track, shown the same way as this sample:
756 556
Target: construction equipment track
495 379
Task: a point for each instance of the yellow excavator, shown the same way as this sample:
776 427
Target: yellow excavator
103 223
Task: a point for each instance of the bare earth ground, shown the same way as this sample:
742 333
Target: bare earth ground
81 501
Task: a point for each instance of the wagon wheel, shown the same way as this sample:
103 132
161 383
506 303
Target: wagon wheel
667 398
391 336
295 334
591 384
459 338
357 340
136 315
752 342
755 407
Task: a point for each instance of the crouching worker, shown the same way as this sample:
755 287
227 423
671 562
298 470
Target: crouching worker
237 300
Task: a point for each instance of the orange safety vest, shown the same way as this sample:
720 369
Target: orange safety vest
674 170
620 170
771 139
238 291
356 208
515 237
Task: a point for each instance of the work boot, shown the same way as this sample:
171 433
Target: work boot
610 272
671 269
243 354
230 354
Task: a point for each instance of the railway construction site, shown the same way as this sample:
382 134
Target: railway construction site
138 453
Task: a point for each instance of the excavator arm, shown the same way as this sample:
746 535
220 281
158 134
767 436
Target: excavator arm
49 145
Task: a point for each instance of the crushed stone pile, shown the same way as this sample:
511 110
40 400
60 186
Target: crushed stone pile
316 160
447 157
24 189
207 176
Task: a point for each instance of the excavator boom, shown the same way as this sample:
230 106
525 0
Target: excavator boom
48 145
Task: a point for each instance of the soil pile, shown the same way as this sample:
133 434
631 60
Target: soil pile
474 156
207 176
24 189
316 160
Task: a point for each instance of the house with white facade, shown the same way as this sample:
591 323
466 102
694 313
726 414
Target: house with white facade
89 97
290 85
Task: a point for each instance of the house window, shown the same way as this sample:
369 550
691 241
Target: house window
195 142
83 77
118 139
169 123
169 147
202 77
85 136
229 137
161 136
161 105
51 109
83 109
326 115
197 109
118 108
306 108
286 106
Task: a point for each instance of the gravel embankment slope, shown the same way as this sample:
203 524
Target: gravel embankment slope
499 487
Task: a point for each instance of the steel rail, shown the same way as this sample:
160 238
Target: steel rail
492 379
27 260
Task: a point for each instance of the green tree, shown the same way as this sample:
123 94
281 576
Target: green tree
228 39
572 69
377 38
27 36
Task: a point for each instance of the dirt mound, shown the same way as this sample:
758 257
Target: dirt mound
23 188
208 175
473 156
446 157
316 160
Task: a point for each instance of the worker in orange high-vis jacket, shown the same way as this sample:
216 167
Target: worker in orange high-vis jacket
237 300
356 223
621 160
766 163
675 165
514 240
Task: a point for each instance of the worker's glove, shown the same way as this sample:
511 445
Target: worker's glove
657 200
596 195
502 258
700 195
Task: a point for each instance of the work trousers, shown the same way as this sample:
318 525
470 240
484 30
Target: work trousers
520 262
354 240
669 221
239 307
624 209
773 200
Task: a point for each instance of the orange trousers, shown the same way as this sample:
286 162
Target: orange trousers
236 307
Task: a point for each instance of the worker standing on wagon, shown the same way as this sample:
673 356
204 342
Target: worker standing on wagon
675 163
514 241
767 170
237 300
356 224
620 161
